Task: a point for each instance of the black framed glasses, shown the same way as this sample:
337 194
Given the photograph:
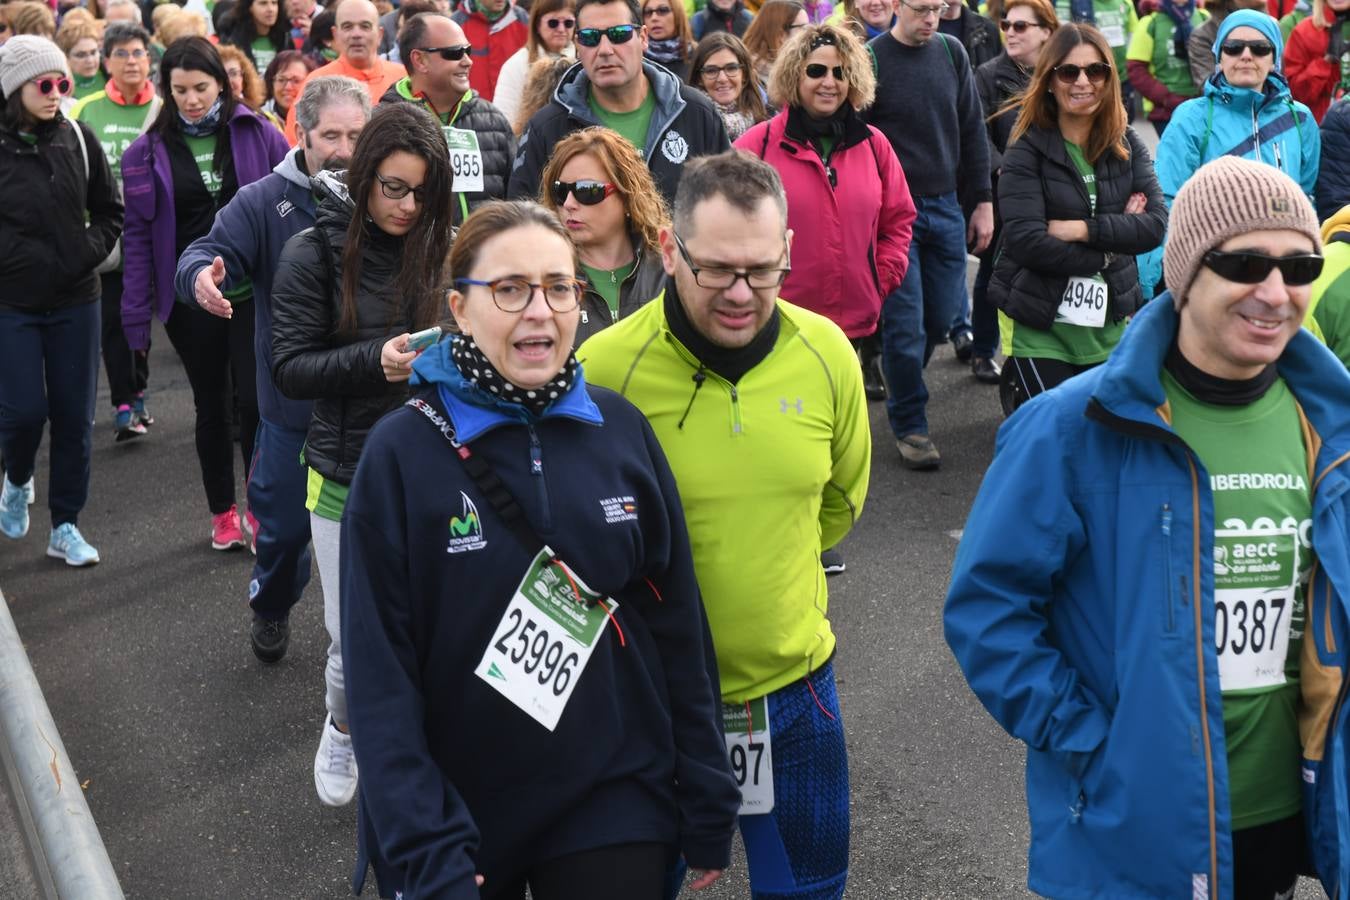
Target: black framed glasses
513 295
1019 27
1250 267
712 73
562 23
818 70
449 54
617 34
48 85
1259 48
723 279
1068 73
587 192
656 11
397 190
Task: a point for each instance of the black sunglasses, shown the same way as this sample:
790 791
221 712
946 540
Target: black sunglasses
818 70
450 54
1259 48
587 192
1248 267
560 23
1019 27
1068 73
617 34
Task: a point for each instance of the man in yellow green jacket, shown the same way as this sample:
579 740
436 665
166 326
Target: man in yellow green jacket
759 407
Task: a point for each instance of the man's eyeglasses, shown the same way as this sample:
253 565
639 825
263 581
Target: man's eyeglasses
124 54
1019 27
1096 73
617 34
723 279
48 85
818 70
397 190
926 11
711 73
588 193
513 295
1259 49
1248 267
449 54
656 11
563 23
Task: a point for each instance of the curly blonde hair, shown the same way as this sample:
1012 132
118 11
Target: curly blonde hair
253 86
625 169
789 68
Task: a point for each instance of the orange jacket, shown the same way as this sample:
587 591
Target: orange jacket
377 80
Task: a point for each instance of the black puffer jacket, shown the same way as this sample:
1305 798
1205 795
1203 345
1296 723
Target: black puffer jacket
996 81
1040 183
646 281
47 255
340 373
496 141
981 38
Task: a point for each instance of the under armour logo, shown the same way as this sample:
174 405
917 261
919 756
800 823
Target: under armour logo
784 405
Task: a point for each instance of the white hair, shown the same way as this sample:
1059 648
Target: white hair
132 3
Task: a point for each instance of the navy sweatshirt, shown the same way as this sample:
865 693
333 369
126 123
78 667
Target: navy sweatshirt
455 779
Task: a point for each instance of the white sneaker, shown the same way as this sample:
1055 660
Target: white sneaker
335 766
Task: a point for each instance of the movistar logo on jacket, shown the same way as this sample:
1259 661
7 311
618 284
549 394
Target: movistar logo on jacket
466 529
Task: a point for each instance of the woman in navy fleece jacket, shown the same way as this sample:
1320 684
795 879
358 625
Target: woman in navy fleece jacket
615 765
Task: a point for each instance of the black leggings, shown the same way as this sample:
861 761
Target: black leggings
214 349
1267 859
1024 377
620 872
128 370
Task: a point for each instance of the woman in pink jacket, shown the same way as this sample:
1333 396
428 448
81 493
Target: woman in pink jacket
848 203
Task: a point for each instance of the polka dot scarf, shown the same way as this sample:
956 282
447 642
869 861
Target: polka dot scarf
476 369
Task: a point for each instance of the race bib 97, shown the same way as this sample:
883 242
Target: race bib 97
750 748
1083 303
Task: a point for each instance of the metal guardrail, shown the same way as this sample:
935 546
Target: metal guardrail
68 856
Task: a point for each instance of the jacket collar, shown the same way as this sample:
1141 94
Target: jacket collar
289 169
143 96
1275 90
573 93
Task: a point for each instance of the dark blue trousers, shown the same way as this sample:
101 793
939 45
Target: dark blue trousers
276 497
49 373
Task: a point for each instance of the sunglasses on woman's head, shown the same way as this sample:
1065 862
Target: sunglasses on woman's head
1019 27
560 23
1259 48
1249 267
617 34
587 192
818 70
449 54
1068 73
47 85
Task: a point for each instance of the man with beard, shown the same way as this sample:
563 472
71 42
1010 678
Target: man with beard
246 242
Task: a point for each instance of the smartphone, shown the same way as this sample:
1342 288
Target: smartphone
423 339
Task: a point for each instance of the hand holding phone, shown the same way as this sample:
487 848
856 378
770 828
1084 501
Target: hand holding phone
423 339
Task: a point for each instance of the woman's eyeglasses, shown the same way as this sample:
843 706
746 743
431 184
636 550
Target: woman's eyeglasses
587 192
1068 73
1018 27
656 11
818 70
513 295
1259 49
449 54
555 24
48 85
711 73
1247 267
397 190
617 34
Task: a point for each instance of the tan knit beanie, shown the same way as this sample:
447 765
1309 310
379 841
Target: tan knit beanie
1225 198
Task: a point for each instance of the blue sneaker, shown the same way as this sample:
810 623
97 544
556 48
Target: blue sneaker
125 424
14 509
138 411
67 543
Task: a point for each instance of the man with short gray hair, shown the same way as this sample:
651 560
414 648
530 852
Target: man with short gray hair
245 243
759 407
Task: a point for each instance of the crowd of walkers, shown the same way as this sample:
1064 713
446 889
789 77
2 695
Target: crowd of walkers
475 286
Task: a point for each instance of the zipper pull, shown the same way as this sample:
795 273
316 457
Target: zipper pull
613 277
734 396
1167 519
536 454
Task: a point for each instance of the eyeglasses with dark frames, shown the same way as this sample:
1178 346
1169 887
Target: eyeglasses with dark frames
513 295
560 23
450 54
1260 49
397 190
1022 27
818 70
712 73
1250 267
723 279
617 34
1068 73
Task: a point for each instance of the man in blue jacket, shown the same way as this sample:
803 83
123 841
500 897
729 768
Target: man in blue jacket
246 242
1151 587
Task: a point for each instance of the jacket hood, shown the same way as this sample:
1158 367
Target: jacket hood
289 169
1276 89
1252 19
335 200
474 412
1337 227
403 90
575 87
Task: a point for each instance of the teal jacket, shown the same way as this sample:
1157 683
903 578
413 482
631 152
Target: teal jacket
1269 126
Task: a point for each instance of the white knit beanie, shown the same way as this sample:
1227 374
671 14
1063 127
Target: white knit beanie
25 57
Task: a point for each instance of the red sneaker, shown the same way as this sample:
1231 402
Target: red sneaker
225 531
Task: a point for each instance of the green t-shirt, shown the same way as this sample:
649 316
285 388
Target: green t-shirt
606 283
1152 43
1115 19
1258 472
116 126
204 152
87 87
1080 345
325 497
263 53
631 125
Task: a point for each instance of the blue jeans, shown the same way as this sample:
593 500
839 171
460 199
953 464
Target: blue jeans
917 315
49 373
276 497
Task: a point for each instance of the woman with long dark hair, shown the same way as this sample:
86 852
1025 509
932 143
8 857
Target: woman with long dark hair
670 40
1079 199
257 28
723 70
346 296
52 176
201 149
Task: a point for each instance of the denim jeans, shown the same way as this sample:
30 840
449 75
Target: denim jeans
916 316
